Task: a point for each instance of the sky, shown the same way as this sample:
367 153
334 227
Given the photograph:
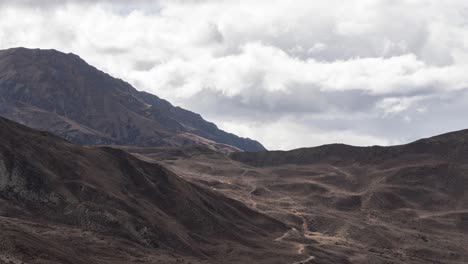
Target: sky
290 74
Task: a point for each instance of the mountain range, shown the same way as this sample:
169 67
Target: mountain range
94 171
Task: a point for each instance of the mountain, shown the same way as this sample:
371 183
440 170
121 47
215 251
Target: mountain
63 203
398 204
175 189
452 145
61 93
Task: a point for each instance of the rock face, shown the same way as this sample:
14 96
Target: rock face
52 190
61 93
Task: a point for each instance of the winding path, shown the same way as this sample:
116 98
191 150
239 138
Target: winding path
301 247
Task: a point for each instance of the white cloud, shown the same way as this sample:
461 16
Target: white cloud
279 134
288 74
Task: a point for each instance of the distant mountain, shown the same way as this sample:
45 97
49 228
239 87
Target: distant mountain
63 203
453 146
61 93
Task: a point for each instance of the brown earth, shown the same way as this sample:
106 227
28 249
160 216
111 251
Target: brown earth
63 203
401 204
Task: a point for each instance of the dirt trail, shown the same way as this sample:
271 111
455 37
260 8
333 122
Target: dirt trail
301 247
305 261
443 214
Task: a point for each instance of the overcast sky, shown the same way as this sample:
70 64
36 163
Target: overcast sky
288 73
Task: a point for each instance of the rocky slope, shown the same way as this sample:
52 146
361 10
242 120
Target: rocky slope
61 93
63 203
399 204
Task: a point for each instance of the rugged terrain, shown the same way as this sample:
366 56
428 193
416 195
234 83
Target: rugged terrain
400 204
170 187
63 203
61 93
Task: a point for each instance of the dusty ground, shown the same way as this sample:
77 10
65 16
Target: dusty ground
63 203
389 211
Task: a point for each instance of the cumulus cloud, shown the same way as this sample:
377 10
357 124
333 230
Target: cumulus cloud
288 74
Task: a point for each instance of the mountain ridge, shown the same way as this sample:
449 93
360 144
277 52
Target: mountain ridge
61 93
453 143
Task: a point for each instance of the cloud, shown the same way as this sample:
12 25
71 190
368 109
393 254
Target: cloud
289 74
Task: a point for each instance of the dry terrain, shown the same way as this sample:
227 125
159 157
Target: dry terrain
402 204
63 203
166 186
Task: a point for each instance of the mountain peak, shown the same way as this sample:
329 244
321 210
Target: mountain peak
61 93
39 56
